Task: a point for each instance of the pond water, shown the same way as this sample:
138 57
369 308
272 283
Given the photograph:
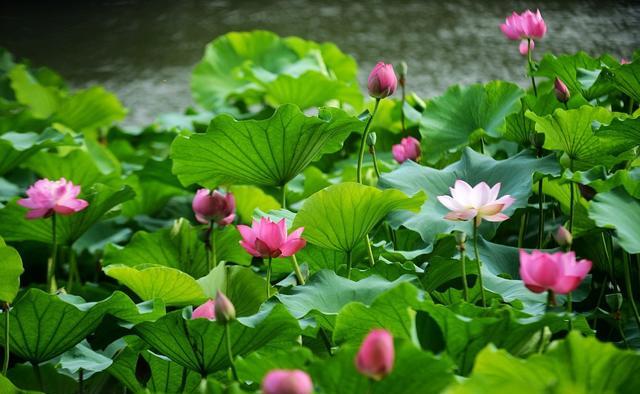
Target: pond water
145 50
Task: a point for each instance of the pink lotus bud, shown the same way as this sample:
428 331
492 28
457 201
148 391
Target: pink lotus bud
563 237
214 206
478 202
382 81
625 61
407 149
525 25
45 197
526 46
205 311
283 381
268 239
559 272
224 309
376 355
562 92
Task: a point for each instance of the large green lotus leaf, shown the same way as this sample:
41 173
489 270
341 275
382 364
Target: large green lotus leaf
90 109
7 387
572 132
16 148
45 325
602 181
171 285
241 285
267 152
102 198
311 89
573 365
393 310
200 344
10 270
82 357
178 247
627 79
464 114
340 216
336 62
414 371
561 192
326 293
255 366
618 210
53 382
42 100
77 166
250 198
515 174
580 72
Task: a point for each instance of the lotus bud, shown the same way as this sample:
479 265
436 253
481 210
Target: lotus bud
563 237
213 206
371 139
625 61
282 381
376 355
461 238
562 92
382 81
224 309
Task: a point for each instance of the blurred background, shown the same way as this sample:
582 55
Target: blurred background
144 51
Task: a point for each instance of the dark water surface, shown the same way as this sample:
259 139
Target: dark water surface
145 50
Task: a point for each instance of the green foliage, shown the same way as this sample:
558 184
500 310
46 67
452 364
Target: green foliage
10 270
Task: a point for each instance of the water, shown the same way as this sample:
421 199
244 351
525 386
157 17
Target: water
145 50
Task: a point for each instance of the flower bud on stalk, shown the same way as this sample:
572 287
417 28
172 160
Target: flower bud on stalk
371 141
461 239
562 92
563 237
403 73
376 355
382 81
224 310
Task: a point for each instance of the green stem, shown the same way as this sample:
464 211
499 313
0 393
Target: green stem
571 200
631 102
465 285
80 381
375 161
51 272
570 310
547 306
599 302
482 145
214 253
372 260
349 264
38 373
7 338
363 142
523 225
627 282
284 196
227 331
73 270
296 269
479 264
326 341
541 214
269 278
404 129
533 80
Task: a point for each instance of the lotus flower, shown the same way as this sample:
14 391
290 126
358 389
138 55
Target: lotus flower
268 239
407 149
559 272
205 311
223 308
283 381
524 26
479 202
376 355
563 237
382 81
625 61
561 90
526 46
214 206
45 197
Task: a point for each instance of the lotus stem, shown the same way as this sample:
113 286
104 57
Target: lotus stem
627 281
530 62
465 285
227 331
269 277
51 272
296 269
80 381
214 252
283 199
38 373
571 200
363 142
375 161
479 264
349 264
7 337
372 260
570 310
550 302
523 225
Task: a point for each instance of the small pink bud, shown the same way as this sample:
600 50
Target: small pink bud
283 381
376 355
526 46
563 237
224 309
214 206
625 61
382 81
205 311
562 92
407 149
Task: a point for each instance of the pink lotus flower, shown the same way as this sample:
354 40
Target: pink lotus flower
524 26
407 149
526 46
205 311
561 90
268 239
223 308
382 81
214 206
479 202
283 381
559 272
45 197
376 355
